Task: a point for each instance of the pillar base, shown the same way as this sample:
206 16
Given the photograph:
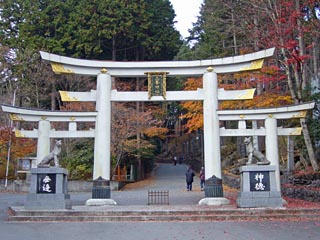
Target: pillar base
101 189
213 188
100 202
215 201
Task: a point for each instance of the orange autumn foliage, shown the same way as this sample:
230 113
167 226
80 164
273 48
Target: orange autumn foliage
20 147
156 132
194 109
262 101
194 113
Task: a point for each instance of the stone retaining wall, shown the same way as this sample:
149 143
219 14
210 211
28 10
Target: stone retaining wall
303 186
231 180
312 195
73 185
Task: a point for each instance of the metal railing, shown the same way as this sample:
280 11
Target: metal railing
158 197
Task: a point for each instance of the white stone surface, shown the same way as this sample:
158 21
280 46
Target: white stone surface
286 112
175 68
122 96
100 202
258 132
102 158
214 201
31 115
212 163
272 149
43 144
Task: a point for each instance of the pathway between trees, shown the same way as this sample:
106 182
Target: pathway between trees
164 177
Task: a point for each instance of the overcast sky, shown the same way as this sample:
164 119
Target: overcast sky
186 14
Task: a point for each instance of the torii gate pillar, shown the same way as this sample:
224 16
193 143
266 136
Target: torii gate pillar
103 125
101 191
211 131
211 125
43 146
272 151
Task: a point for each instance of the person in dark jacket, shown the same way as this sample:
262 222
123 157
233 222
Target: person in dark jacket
202 178
189 178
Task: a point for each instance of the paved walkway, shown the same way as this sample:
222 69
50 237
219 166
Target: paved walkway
164 177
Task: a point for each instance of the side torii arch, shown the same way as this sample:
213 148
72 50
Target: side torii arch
210 95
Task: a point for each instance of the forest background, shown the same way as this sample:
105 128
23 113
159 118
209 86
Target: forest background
143 30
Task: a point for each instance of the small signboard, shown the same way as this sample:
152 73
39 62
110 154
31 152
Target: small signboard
25 164
46 183
157 84
259 181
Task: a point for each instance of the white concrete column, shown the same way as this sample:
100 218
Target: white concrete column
255 141
212 162
43 145
103 127
272 151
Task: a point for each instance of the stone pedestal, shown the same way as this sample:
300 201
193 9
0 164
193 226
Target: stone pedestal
48 189
258 187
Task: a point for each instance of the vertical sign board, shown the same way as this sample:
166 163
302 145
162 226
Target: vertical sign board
260 181
26 164
157 84
46 183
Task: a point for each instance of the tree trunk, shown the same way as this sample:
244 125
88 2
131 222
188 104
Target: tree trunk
53 96
308 143
235 44
114 52
301 84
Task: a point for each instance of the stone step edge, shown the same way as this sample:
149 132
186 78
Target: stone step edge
238 212
164 218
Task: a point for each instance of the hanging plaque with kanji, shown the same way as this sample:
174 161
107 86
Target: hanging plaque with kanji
157 84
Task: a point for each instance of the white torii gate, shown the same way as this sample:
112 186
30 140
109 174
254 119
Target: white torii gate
45 130
270 129
210 95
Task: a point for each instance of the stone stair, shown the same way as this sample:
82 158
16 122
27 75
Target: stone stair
161 213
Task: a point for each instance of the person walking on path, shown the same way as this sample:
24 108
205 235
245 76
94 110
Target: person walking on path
175 160
189 178
202 178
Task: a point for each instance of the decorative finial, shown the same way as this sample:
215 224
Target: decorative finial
103 70
210 69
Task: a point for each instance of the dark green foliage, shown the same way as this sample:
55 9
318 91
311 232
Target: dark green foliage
218 30
100 29
79 160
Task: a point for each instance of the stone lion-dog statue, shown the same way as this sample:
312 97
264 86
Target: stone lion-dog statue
252 152
52 156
